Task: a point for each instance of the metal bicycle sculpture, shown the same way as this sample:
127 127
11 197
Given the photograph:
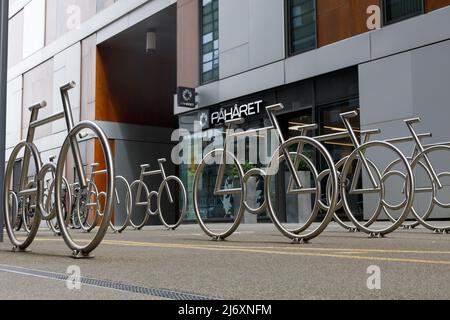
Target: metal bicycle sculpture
361 176
49 199
290 155
424 160
143 198
118 201
29 193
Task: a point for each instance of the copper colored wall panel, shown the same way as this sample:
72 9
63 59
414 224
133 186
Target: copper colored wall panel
188 43
431 5
341 19
134 88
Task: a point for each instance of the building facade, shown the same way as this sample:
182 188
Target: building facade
121 84
319 58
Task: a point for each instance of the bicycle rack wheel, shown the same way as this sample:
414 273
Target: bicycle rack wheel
146 195
128 206
51 206
409 189
27 216
84 249
423 220
376 211
228 231
325 206
85 224
274 166
183 199
8 192
419 218
317 206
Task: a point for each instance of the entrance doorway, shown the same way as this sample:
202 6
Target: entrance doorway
135 87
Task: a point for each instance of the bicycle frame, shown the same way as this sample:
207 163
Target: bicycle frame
294 179
34 124
144 174
420 149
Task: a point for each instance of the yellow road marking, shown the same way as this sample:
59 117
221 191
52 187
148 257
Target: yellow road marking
267 250
239 249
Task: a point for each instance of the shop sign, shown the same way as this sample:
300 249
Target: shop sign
236 112
186 97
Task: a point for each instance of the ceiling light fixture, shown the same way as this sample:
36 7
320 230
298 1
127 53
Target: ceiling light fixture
151 42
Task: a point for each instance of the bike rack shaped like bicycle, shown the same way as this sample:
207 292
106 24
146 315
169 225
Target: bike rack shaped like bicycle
143 197
31 187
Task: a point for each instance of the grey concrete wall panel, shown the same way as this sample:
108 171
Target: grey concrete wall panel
89 27
399 37
233 37
412 33
251 35
14 112
386 89
233 24
15 39
38 86
266 32
46 144
66 68
340 55
132 17
234 61
246 83
15 6
103 4
431 88
209 94
122 131
412 84
88 77
253 81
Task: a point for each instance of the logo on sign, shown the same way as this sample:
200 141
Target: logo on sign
186 97
204 120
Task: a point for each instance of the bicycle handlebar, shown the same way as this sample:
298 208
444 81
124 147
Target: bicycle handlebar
275 107
348 115
413 120
68 86
38 105
306 127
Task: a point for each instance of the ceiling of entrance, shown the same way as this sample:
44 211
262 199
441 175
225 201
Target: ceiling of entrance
134 38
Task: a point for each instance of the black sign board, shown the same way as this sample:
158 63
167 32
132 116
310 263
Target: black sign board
186 97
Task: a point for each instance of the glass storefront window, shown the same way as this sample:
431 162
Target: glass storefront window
331 123
209 40
306 102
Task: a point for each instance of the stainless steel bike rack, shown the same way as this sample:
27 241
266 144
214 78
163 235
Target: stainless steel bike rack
33 190
295 186
148 196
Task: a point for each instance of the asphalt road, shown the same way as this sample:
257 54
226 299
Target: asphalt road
256 263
